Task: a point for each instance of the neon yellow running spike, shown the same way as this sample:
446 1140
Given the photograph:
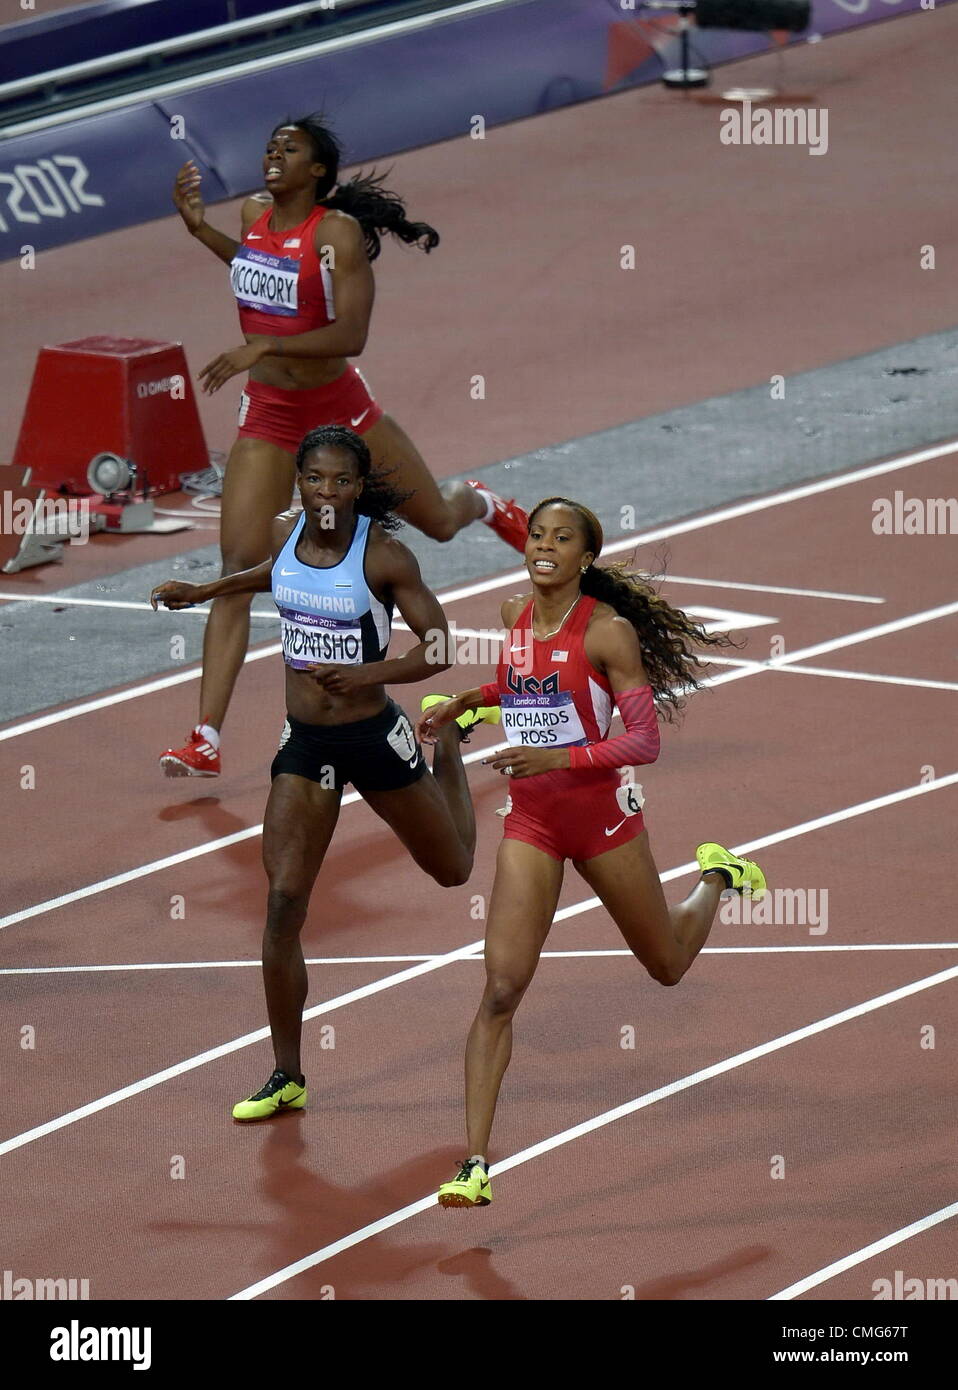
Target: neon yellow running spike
485 714
742 875
469 1188
279 1093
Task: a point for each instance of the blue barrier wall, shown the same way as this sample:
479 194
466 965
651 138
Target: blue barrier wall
100 174
115 170
44 42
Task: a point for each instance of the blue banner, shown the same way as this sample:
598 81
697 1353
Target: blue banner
100 173
91 176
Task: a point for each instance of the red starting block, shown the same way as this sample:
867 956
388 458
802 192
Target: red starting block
109 423
124 396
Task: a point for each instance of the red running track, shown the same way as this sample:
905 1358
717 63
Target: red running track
675 1198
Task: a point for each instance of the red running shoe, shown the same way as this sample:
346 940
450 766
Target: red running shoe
508 520
197 759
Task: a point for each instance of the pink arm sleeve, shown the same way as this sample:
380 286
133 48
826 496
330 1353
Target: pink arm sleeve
638 745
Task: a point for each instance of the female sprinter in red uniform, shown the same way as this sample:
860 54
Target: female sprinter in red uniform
304 288
335 574
588 637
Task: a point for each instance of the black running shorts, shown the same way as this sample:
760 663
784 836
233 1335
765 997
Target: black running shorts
380 754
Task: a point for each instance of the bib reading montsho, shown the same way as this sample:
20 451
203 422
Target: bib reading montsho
308 639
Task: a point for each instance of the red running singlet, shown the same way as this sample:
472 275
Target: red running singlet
280 283
552 696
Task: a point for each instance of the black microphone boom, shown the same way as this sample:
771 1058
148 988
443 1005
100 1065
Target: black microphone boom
756 16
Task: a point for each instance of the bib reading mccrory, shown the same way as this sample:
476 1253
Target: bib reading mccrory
267 283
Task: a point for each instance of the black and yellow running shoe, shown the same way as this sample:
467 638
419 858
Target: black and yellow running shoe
469 1188
279 1093
485 714
743 876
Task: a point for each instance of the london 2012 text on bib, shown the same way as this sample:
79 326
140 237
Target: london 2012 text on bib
267 283
532 721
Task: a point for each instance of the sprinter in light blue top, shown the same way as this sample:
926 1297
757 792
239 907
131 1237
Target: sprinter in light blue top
329 615
335 573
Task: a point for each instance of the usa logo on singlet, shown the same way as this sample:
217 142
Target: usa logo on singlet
529 685
267 283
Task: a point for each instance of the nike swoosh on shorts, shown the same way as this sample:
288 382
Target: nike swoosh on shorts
617 827
359 418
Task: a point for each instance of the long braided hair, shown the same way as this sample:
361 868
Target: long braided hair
378 498
668 637
363 197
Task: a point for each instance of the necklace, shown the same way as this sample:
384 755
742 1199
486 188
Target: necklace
547 635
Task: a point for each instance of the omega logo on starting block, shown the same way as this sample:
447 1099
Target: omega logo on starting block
155 388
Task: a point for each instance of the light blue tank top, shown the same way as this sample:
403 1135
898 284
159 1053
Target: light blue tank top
329 614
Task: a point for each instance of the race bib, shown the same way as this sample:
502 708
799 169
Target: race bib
308 639
267 283
401 741
630 798
542 721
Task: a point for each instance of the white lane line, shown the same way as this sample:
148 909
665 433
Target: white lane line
432 955
71 601
851 639
212 1054
780 950
60 602
117 880
133 692
867 634
210 847
666 578
608 1117
519 576
867 1252
731 513
916 681
438 962
203 965
156 866
181 857
863 808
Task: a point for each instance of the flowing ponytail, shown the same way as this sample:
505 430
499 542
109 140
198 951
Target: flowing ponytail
668 637
377 210
363 197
